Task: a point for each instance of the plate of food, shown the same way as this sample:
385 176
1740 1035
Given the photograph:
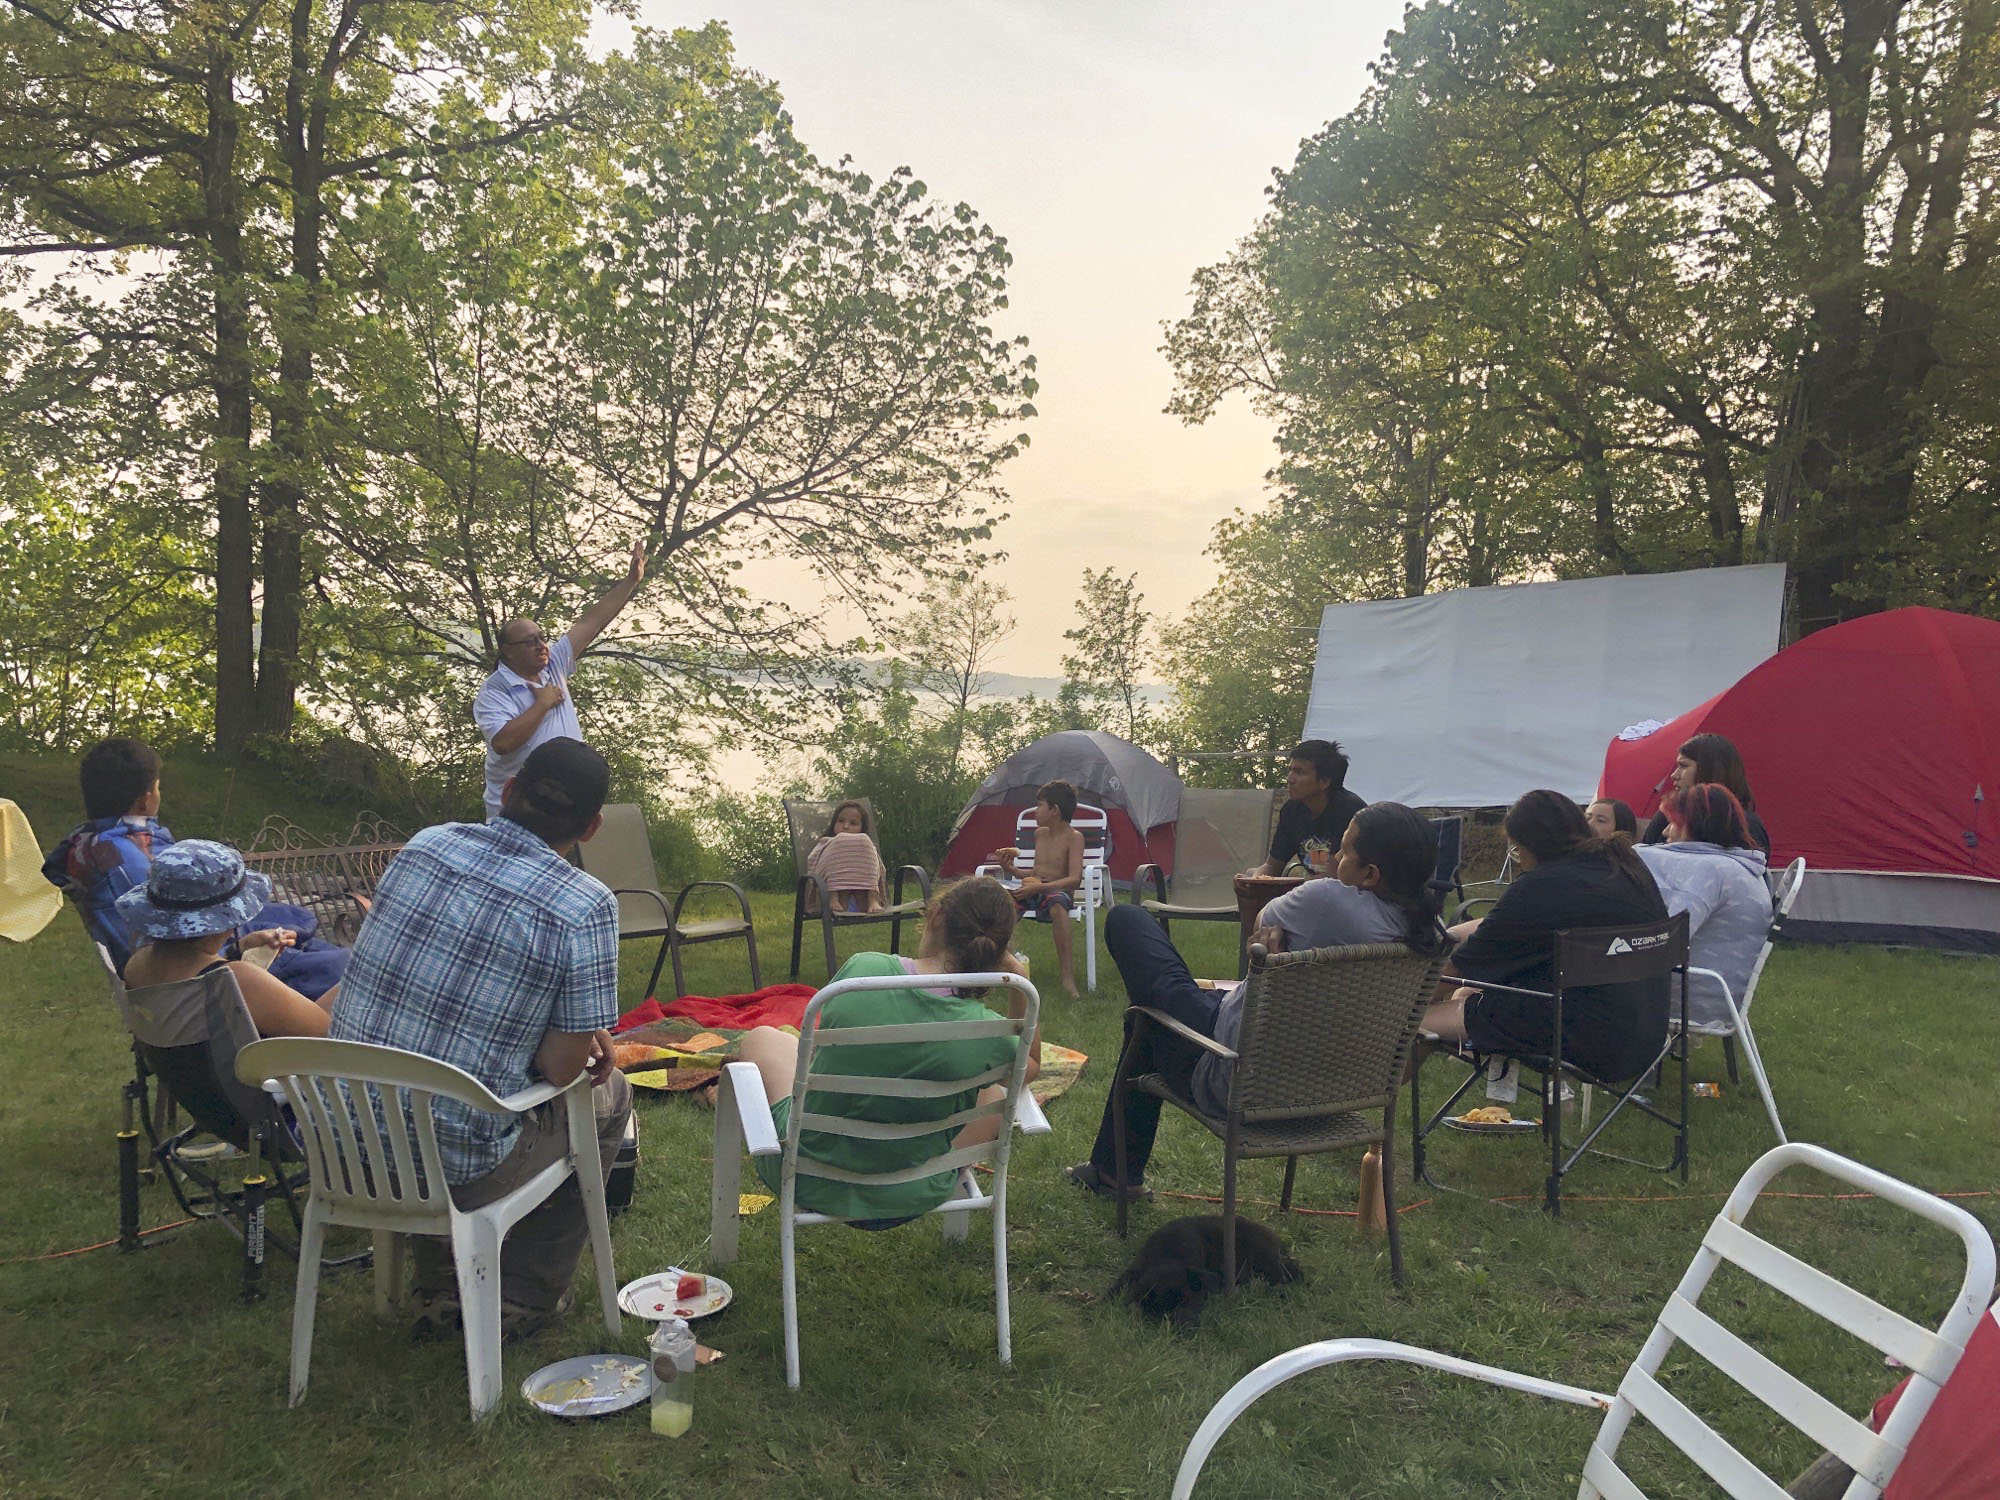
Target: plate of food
590 1385
674 1293
1492 1119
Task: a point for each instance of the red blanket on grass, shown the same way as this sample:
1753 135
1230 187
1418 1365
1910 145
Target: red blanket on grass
773 1005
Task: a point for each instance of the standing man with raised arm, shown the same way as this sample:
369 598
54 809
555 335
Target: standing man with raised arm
526 700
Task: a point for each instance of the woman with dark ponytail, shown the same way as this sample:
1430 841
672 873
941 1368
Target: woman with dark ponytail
1712 760
967 928
1568 878
1383 890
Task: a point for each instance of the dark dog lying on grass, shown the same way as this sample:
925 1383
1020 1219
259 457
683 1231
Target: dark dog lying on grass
1180 1266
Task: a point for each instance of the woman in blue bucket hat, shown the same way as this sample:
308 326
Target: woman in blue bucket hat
195 897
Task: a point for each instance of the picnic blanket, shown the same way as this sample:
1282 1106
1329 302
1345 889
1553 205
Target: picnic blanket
773 1005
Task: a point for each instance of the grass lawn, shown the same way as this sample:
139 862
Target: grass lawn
146 1375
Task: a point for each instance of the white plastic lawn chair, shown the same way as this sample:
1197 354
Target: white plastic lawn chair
1093 895
388 1178
1873 1456
1784 891
743 1122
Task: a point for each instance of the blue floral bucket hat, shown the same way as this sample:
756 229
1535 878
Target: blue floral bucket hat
195 888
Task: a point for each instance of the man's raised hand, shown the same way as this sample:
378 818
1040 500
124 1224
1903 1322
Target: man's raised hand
638 568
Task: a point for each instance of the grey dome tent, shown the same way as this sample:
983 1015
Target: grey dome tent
1140 797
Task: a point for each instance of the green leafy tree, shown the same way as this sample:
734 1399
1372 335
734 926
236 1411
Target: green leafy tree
947 642
1105 670
227 143
887 749
1588 288
1241 664
675 325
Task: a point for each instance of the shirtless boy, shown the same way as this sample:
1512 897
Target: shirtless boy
1050 892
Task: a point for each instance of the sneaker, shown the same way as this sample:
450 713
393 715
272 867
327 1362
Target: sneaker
1085 1175
518 1321
438 1317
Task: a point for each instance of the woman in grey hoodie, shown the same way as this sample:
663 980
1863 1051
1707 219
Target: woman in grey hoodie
1709 868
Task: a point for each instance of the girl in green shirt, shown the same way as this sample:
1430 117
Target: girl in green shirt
966 930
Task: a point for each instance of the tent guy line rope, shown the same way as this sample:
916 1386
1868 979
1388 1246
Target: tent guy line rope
22 1260
1335 1213
1403 1208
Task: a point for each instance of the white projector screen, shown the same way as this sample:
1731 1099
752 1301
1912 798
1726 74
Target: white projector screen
1470 698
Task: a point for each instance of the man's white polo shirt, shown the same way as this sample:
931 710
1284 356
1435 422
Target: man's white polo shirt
504 697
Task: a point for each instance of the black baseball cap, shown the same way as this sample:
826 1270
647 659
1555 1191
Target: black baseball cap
564 781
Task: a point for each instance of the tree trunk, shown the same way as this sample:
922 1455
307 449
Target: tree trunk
231 380
1604 537
282 494
1863 429
1725 512
1416 530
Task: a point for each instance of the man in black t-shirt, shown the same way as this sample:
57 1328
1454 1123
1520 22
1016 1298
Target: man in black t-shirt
1312 824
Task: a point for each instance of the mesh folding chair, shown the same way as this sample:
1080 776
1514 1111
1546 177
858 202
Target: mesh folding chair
1584 957
743 1122
1492 890
806 821
1450 831
1325 1038
1093 896
1745 1373
1784 891
1220 831
621 855
185 1039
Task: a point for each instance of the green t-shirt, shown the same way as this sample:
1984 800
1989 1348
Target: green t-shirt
848 1200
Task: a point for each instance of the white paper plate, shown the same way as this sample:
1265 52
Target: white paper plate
1493 1127
591 1385
652 1297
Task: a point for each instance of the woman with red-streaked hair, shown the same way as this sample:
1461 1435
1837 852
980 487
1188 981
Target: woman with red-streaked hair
1710 868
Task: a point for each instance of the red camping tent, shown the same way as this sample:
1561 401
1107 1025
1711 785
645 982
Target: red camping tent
1141 800
1874 751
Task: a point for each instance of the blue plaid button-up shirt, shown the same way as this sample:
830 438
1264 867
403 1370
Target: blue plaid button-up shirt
482 939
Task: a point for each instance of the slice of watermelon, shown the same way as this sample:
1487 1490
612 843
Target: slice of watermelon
690 1287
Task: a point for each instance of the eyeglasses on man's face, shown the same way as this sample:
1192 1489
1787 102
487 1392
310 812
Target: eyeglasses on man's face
537 639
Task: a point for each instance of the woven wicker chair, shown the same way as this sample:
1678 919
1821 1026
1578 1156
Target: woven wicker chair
1325 1037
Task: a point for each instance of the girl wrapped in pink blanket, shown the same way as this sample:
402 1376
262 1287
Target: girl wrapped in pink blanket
846 857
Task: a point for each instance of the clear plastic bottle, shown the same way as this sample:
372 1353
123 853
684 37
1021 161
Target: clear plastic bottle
672 1349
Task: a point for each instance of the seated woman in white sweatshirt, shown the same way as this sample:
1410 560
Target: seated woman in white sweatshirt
1710 868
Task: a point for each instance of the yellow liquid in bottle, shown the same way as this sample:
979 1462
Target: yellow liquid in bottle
672 1418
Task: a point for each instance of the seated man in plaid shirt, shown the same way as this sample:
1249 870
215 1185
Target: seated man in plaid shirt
488 950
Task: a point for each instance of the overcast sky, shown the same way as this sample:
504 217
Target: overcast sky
1118 145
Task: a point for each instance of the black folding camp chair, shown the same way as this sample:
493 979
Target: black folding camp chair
1584 957
185 1037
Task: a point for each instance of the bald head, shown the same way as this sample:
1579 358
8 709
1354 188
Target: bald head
523 648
